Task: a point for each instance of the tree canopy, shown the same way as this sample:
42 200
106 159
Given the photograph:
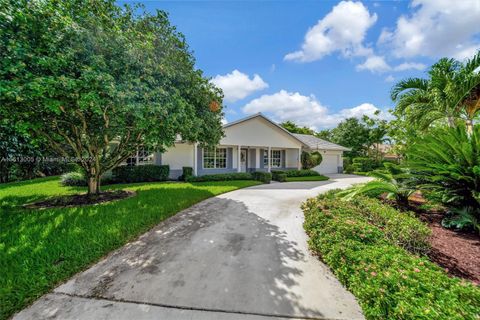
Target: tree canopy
294 128
102 80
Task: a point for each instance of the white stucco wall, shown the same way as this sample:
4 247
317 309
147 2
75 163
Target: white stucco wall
181 155
258 132
291 157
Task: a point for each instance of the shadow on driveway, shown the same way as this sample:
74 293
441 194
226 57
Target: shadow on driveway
215 256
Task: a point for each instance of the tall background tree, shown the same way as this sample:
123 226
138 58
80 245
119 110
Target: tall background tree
294 128
102 80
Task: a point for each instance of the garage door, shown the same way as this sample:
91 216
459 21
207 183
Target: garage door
329 164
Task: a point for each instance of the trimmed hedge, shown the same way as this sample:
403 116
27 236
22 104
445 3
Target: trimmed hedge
186 173
363 164
264 177
301 173
279 176
359 242
221 177
145 173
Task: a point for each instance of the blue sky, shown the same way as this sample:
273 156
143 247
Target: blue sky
318 62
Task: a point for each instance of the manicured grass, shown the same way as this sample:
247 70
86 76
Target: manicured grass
41 248
308 178
369 246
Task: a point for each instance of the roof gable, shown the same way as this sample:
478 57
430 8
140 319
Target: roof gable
258 130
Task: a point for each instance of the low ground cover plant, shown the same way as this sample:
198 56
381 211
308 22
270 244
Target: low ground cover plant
370 246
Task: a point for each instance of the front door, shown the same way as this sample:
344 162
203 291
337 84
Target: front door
243 160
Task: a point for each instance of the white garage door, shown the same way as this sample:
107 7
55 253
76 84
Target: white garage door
329 164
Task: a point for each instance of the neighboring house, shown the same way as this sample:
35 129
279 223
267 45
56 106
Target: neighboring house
386 151
254 143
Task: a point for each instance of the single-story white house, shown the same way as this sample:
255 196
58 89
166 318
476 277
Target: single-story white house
254 143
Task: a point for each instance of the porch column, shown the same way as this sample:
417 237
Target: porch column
195 158
299 163
269 157
239 150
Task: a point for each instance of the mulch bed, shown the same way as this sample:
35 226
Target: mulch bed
80 200
458 252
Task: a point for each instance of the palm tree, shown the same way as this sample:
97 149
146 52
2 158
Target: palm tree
451 93
426 101
467 90
393 181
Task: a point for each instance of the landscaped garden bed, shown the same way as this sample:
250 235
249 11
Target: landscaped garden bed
379 254
41 248
456 251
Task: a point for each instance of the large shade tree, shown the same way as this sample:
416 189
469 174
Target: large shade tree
102 80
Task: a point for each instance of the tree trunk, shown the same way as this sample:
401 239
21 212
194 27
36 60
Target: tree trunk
93 185
469 124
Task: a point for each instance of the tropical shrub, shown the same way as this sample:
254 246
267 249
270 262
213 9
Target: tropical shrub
73 179
264 177
462 219
310 159
144 173
446 162
221 177
388 281
394 181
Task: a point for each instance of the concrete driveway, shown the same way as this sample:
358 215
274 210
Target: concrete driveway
240 255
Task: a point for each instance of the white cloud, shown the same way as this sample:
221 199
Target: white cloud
306 110
375 64
343 29
436 28
410 65
390 78
238 85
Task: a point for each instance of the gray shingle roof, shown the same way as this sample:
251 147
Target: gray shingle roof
316 143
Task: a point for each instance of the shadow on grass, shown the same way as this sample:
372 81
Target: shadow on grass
40 248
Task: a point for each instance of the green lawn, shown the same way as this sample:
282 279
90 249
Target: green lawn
308 178
41 248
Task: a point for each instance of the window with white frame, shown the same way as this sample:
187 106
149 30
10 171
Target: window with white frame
214 158
141 157
276 158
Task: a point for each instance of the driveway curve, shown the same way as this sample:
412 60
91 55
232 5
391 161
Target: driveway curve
240 255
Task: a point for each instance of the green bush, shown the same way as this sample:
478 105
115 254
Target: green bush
279 176
301 173
360 242
221 177
73 179
310 159
186 173
362 164
264 177
446 162
144 173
